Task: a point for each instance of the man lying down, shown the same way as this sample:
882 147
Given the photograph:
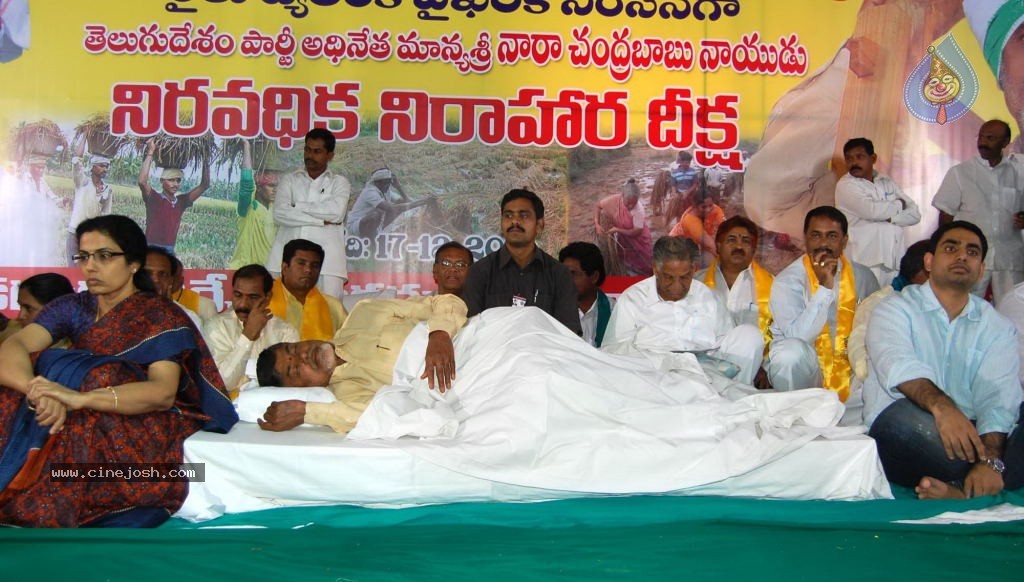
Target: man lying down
533 404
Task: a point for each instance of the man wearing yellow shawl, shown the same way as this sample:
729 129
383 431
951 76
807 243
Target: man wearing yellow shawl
744 283
813 301
295 297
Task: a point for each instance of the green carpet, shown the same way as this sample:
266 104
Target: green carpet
621 538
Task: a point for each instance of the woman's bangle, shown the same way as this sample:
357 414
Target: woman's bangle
114 392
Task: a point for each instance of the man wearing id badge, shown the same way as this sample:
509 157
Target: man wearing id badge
520 274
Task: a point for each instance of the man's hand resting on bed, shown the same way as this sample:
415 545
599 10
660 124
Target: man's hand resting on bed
440 361
281 416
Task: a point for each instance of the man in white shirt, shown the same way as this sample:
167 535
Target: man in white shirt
240 334
204 307
586 265
311 205
877 210
381 201
746 285
160 266
1012 308
989 191
941 397
813 303
670 312
93 196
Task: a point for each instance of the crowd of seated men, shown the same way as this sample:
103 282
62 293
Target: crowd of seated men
930 363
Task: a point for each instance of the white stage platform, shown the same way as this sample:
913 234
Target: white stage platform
250 469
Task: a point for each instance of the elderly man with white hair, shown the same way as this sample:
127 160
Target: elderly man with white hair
671 312
379 204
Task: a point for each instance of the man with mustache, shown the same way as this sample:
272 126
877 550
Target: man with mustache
942 394
520 274
989 191
363 354
310 204
744 283
296 298
877 210
813 301
241 333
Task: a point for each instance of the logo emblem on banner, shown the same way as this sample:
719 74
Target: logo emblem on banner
943 86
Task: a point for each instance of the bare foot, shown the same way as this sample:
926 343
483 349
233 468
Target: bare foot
932 488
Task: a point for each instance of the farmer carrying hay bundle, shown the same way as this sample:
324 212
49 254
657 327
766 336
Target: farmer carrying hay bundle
93 196
30 226
256 192
165 208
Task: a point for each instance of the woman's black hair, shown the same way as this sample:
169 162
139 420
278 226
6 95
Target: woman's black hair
129 236
46 287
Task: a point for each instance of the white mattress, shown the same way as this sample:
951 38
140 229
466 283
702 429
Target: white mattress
250 469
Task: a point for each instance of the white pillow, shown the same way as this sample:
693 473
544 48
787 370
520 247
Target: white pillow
349 301
252 403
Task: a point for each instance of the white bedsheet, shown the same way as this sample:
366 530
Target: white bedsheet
537 414
250 469
534 405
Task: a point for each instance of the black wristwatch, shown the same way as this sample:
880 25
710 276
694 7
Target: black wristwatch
996 465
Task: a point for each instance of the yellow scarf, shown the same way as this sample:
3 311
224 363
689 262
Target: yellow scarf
316 315
189 299
835 365
762 289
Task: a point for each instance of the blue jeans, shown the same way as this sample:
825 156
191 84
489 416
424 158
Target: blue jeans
910 448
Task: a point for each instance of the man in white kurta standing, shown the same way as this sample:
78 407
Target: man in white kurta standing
670 312
877 210
988 191
311 205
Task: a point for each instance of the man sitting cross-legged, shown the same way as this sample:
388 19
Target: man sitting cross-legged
813 303
942 392
361 357
670 312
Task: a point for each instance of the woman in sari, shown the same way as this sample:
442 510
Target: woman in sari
33 294
138 381
628 225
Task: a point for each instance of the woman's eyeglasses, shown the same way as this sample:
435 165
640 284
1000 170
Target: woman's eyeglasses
102 256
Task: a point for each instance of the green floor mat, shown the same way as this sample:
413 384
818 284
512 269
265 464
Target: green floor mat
621 538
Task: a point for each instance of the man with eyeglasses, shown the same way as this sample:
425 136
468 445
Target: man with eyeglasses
812 303
165 208
362 356
942 394
520 274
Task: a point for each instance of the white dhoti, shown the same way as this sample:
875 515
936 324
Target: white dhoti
792 364
743 345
